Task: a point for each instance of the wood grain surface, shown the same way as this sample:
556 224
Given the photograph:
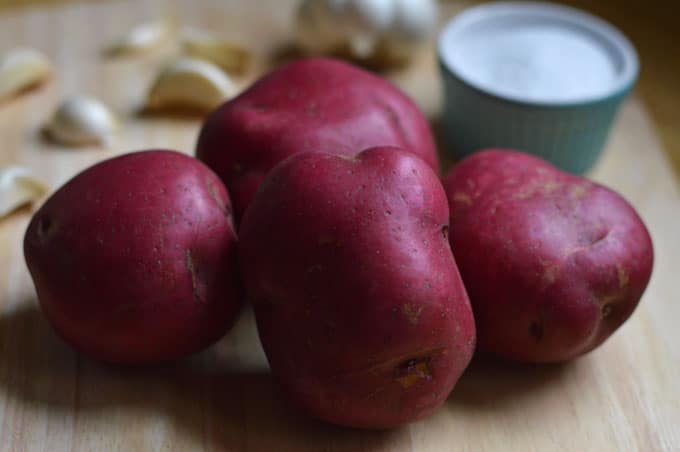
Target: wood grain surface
649 24
625 396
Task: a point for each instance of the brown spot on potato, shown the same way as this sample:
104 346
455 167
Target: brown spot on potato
312 109
210 186
524 194
350 158
550 274
596 237
194 275
606 310
411 312
532 190
445 232
550 187
536 331
579 191
462 197
326 239
622 275
587 239
413 370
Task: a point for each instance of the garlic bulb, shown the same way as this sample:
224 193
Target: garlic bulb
387 30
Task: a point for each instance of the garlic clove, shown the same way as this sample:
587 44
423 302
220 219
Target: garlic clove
190 83
320 27
18 187
414 20
225 54
81 121
144 37
376 32
22 68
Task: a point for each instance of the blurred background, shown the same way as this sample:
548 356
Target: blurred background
652 25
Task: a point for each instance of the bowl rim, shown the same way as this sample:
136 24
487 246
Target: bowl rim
474 15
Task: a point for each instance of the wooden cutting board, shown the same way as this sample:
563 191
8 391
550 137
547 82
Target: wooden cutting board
623 396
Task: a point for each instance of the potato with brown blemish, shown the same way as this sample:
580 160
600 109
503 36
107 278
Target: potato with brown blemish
553 263
358 300
134 259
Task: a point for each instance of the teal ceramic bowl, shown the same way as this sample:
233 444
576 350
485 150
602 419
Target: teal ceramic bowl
537 77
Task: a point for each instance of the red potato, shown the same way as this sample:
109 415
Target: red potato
134 259
553 263
315 104
358 301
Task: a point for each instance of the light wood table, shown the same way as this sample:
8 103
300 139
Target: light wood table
651 25
625 396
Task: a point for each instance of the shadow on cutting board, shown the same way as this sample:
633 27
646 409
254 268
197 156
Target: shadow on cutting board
205 401
490 384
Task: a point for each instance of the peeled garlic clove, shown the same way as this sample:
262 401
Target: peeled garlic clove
18 187
82 121
190 83
225 54
144 37
22 68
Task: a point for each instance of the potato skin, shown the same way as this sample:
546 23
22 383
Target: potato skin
358 301
134 259
315 104
553 263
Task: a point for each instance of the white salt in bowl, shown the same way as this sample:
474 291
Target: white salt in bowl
537 77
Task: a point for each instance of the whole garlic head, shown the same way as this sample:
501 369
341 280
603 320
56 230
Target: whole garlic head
386 29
